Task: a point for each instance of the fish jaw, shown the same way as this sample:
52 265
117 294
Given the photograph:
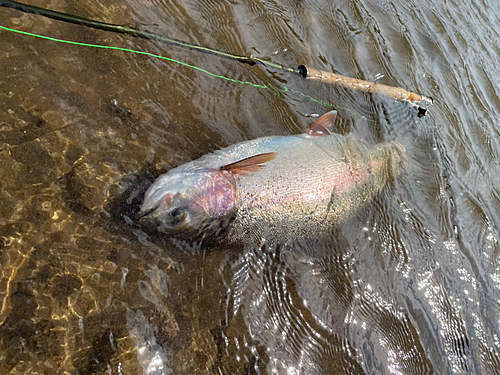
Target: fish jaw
188 199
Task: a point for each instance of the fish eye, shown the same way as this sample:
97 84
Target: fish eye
178 213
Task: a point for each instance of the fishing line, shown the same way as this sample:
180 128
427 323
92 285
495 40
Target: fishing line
71 18
260 86
309 73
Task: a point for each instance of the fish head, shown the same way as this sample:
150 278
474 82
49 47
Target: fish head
189 201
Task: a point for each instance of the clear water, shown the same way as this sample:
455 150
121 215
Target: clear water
411 285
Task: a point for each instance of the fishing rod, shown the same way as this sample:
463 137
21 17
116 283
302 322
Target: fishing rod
306 72
121 29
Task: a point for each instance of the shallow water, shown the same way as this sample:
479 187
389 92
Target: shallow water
409 286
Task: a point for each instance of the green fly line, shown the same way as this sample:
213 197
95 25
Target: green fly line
260 86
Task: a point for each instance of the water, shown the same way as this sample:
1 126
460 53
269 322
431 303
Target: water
409 286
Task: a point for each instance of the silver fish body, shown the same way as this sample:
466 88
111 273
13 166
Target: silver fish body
311 183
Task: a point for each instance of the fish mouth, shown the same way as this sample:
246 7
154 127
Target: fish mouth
148 211
153 200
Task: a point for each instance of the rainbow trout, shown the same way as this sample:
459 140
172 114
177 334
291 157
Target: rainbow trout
273 189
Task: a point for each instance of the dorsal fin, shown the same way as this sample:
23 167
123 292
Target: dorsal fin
250 164
323 125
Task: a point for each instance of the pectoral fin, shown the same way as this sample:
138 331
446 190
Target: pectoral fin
249 165
323 125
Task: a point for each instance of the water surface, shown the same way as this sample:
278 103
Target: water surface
409 286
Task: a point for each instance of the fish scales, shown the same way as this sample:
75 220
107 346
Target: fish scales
313 184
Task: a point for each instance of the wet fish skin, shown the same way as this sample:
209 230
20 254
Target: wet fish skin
310 183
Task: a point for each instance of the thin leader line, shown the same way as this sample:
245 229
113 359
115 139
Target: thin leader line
272 88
